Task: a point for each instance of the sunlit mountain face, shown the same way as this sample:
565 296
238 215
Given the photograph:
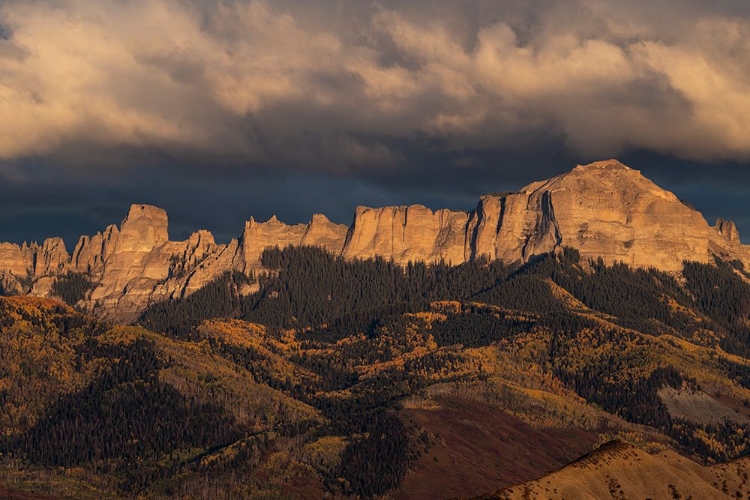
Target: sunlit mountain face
604 210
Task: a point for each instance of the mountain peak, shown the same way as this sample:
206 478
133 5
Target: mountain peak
145 227
601 180
607 210
728 229
611 164
607 170
141 210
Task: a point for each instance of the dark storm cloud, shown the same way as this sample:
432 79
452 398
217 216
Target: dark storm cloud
67 208
256 80
245 104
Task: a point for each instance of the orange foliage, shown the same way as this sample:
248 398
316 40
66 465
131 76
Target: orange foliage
234 332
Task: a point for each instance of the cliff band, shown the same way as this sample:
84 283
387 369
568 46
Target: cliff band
605 210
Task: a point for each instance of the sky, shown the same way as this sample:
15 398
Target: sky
218 110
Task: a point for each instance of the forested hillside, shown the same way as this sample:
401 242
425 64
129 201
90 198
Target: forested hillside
342 377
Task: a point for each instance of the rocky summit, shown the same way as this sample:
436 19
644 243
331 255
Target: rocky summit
604 210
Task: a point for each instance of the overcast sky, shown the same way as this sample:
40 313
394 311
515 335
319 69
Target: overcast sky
219 110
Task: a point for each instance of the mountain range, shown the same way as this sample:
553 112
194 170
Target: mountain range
585 337
604 210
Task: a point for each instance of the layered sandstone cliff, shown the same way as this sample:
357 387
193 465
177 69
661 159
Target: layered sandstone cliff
604 209
135 264
405 234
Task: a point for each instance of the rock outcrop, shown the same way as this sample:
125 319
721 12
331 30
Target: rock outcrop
33 260
728 230
405 234
323 233
259 235
135 264
17 259
605 210
273 233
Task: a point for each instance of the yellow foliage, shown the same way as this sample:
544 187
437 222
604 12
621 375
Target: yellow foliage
234 332
674 306
125 335
40 304
37 364
427 317
446 306
324 453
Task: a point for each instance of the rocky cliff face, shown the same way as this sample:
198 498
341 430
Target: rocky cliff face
273 233
605 210
728 230
135 264
405 234
33 260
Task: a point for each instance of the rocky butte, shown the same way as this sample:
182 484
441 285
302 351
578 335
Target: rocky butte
605 210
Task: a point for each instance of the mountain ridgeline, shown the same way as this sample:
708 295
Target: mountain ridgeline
592 324
604 210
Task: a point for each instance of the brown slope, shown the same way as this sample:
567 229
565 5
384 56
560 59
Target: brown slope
621 471
9 494
478 447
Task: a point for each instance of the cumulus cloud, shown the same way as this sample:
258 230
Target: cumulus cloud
337 85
